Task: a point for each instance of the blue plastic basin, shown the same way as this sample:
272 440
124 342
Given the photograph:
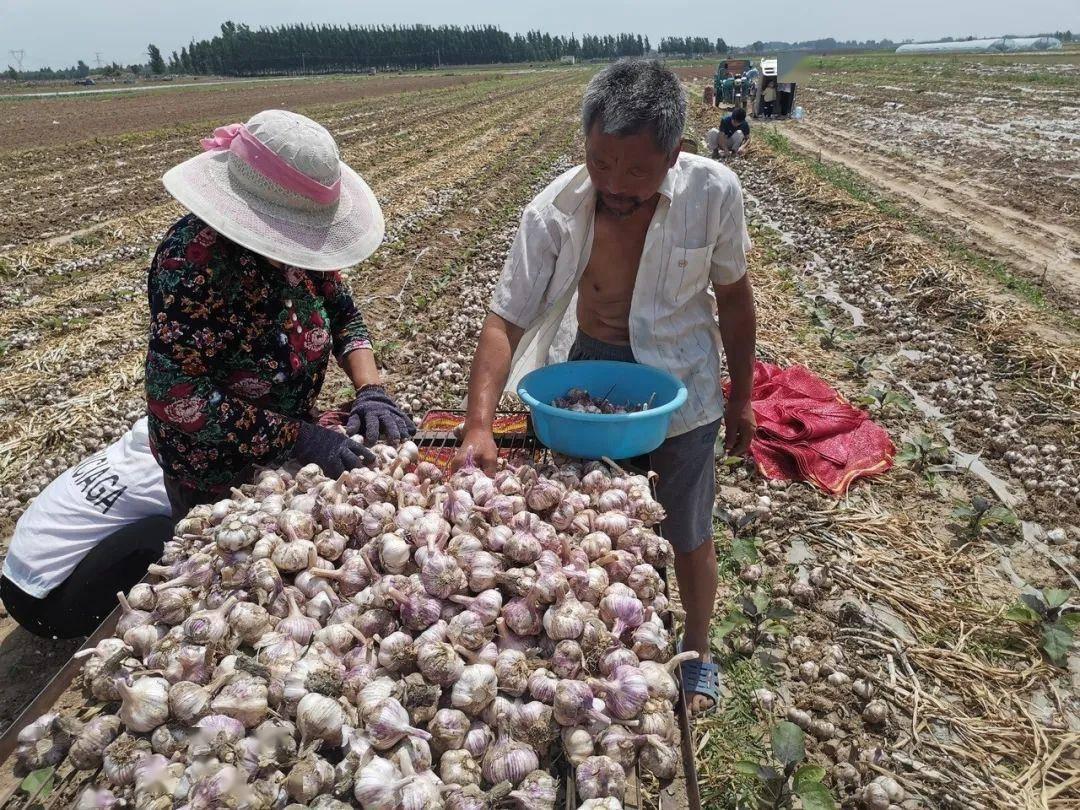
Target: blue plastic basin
594 435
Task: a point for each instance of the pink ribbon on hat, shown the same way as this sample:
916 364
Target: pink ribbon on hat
238 140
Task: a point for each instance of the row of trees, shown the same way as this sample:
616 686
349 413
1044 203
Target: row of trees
300 48
154 64
823 45
692 45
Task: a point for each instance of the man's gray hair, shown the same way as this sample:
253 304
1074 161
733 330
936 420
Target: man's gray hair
635 95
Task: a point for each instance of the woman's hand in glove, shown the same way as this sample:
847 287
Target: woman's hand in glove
334 452
374 412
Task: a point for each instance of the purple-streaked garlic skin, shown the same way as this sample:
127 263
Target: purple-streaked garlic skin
434 626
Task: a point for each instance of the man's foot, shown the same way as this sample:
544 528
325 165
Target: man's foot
700 682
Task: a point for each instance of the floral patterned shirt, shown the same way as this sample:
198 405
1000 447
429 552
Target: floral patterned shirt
238 353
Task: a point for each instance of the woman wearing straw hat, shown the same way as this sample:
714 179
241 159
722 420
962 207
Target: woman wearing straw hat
247 306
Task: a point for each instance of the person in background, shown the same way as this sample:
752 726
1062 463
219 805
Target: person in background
91 532
623 253
728 86
768 100
731 137
247 307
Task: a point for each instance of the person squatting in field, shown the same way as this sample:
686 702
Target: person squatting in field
615 260
731 138
247 307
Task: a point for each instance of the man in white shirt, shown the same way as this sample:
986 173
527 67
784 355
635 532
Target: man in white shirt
615 260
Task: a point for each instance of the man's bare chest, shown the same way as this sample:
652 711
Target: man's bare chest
613 261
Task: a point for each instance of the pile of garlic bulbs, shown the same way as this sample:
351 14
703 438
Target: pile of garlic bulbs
398 638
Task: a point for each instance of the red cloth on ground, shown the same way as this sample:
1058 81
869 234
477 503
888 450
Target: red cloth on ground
807 432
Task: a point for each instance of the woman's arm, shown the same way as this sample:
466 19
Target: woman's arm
359 366
352 340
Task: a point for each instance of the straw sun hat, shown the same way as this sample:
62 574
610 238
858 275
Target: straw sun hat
277 186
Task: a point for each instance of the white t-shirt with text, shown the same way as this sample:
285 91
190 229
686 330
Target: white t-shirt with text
114 487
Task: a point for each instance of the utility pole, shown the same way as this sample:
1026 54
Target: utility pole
438 56
303 68
17 56
97 58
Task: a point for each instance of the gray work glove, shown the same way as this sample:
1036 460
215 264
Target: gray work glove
373 412
332 451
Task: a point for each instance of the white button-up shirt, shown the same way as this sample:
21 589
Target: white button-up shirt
697 237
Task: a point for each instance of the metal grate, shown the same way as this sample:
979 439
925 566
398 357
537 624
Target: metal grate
438 439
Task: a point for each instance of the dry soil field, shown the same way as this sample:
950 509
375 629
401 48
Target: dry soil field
892 642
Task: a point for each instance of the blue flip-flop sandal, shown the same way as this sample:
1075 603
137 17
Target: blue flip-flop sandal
700 678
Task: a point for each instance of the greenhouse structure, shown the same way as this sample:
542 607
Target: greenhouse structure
999 45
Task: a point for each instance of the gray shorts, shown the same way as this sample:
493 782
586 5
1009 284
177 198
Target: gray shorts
685 464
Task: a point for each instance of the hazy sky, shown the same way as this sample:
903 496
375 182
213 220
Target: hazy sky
59 32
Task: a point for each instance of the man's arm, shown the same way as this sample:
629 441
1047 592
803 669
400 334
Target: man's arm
490 369
738 331
518 299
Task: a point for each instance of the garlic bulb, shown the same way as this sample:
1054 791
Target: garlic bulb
448 729
86 751
537 791
578 743
487 605
478 739
377 785
439 663
250 621
387 722
120 758
141 597
469 630
600 777
534 723
397 653
658 717
244 699
625 693
145 703
660 678
319 717
650 640
474 689
568 660
620 744
46 741
458 767
574 704
508 760
512 670
659 757
129 616
188 701
209 626
541 685
297 626
170 740
308 778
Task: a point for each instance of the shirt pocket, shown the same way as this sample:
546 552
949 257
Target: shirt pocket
686 274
